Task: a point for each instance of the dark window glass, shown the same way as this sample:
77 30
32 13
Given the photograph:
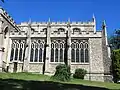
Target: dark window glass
16 53
86 55
77 55
82 55
56 55
61 55
73 55
31 55
12 54
20 54
36 55
40 55
52 55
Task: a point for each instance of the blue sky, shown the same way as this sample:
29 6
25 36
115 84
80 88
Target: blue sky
61 10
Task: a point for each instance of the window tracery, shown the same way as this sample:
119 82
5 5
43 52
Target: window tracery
17 50
79 51
37 50
57 50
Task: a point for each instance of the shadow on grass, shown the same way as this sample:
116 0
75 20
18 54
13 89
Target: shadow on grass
14 84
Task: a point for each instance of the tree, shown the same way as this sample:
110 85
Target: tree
116 65
115 40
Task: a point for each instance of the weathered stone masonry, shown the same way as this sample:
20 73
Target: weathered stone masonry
40 46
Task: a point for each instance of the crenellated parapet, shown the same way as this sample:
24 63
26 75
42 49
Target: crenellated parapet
59 29
6 17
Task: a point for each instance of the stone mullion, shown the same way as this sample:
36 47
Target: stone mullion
38 53
58 54
75 54
80 55
34 53
42 54
54 53
84 54
22 53
18 52
14 52
63 53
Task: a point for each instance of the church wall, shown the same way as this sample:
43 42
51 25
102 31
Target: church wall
11 66
96 59
19 67
75 66
52 67
97 64
8 25
36 67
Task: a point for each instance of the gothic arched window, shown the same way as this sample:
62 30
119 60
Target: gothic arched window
79 51
37 50
57 50
17 50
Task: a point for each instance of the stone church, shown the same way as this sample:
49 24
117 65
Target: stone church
38 47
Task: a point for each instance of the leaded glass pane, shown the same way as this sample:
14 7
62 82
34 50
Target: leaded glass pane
16 53
52 55
12 54
73 55
61 55
56 55
77 55
20 54
82 55
40 55
36 55
31 55
86 55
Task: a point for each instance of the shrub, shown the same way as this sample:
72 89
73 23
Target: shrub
79 73
62 73
116 65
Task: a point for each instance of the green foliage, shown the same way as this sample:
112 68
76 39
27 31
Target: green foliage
62 73
79 73
116 64
29 81
114 40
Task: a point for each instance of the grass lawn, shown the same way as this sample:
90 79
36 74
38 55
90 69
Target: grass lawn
28 81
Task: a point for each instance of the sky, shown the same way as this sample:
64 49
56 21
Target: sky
61 10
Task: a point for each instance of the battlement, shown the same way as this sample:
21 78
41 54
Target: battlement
8 18
59 23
